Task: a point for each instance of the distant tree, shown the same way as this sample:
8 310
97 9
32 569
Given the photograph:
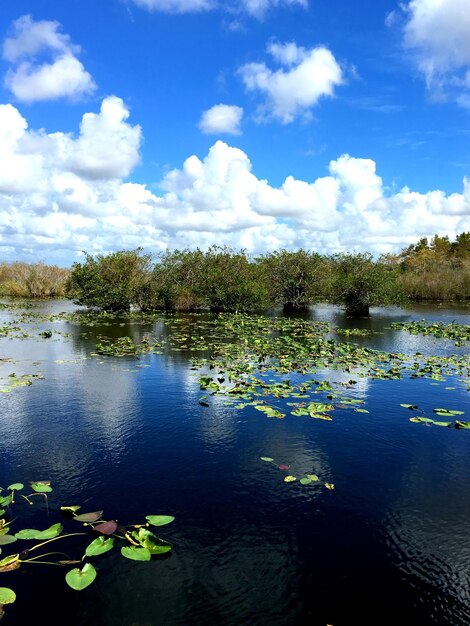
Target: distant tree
359 282
230 282
176 280
112 282
295 279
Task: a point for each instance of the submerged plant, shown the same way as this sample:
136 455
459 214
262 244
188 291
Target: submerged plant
135 541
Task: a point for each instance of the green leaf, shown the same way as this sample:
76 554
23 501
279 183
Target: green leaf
459 424
79 579
99 546
70 509
89 517
289 479
312 477
31 533
159 520
7 596
41 486
445 412
305 481
148 540
136 553
268 459
16 487
409 406
6 539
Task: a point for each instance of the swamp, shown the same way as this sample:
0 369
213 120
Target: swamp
234 468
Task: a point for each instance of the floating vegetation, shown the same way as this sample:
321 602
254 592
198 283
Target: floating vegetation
135 541
14 381
459 333
306 478
423 419
354 332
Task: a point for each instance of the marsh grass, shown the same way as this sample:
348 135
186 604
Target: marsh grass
32 280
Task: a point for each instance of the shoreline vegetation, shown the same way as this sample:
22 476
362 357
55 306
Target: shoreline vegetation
223 279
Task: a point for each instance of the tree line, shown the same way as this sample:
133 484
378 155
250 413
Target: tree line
223 279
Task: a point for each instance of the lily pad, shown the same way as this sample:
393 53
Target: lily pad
148 540
7 596
79 579
49 533
159 520
41 486
290 479
16 487
6 539
136 553
106 528
89 517
100 545
268 459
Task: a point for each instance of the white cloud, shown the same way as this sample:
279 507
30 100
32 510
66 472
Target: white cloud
61 194
437 32
309 75
176 6
222 118
44 65
255 8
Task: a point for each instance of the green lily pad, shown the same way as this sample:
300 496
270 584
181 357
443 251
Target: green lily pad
79 579
268 459
16 487
49 533
409 406
136 553
159 520
70 509
6 539
290 479
148 540
445 412
100 545
7 596
41 486
459 424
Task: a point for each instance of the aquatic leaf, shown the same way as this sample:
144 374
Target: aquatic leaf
16 487
312 477
6 539
106 528
159 520
148 540
10 563
425 420
361 410
89 517
321 416
445 424
136 553
41 486
409 406
100 545
79 579
445 412
49 533
7 596
459 424
70 509
305 481
290 479
329 486
283 467
268 459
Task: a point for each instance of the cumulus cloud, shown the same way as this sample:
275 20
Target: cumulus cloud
305 76
44 65
437 33
255 8
60 194
222 118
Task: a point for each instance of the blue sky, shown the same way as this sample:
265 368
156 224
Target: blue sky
260 124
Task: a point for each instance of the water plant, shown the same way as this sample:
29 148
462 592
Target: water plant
135 541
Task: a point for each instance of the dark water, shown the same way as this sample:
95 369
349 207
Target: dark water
389 545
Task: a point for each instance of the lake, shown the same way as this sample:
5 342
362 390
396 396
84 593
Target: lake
379 535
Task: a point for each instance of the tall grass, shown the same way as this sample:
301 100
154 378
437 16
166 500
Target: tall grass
32 280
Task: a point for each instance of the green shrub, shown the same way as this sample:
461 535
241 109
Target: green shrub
111 282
